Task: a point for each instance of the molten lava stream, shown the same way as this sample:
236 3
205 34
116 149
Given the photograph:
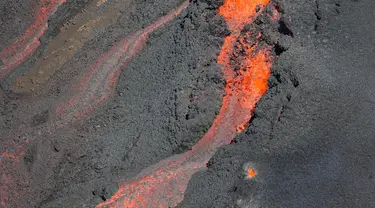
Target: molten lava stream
21 49
164 184
101 79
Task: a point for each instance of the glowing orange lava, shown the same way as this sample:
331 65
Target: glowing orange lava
238 13
251 173
164 184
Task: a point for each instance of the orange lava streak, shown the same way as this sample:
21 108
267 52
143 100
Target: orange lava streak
250 83
164 184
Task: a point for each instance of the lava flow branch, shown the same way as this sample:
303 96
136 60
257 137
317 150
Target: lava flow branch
20 50
102 76
164 184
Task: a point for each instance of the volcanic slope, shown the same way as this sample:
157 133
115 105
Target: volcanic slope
311 138
165 100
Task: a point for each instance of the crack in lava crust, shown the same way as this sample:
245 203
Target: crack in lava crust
99 82
164 184
24 46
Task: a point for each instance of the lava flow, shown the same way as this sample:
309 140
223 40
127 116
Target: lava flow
164 184
24 46
98 83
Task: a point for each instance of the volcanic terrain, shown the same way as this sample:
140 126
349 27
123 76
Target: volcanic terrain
187 103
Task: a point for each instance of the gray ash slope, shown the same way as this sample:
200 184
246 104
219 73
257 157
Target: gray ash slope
311 139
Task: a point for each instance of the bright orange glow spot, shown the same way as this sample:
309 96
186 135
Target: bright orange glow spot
251 173
240 128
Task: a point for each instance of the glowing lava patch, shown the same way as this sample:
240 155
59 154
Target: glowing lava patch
251 173
238 13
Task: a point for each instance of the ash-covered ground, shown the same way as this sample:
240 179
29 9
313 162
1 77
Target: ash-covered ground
310 139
